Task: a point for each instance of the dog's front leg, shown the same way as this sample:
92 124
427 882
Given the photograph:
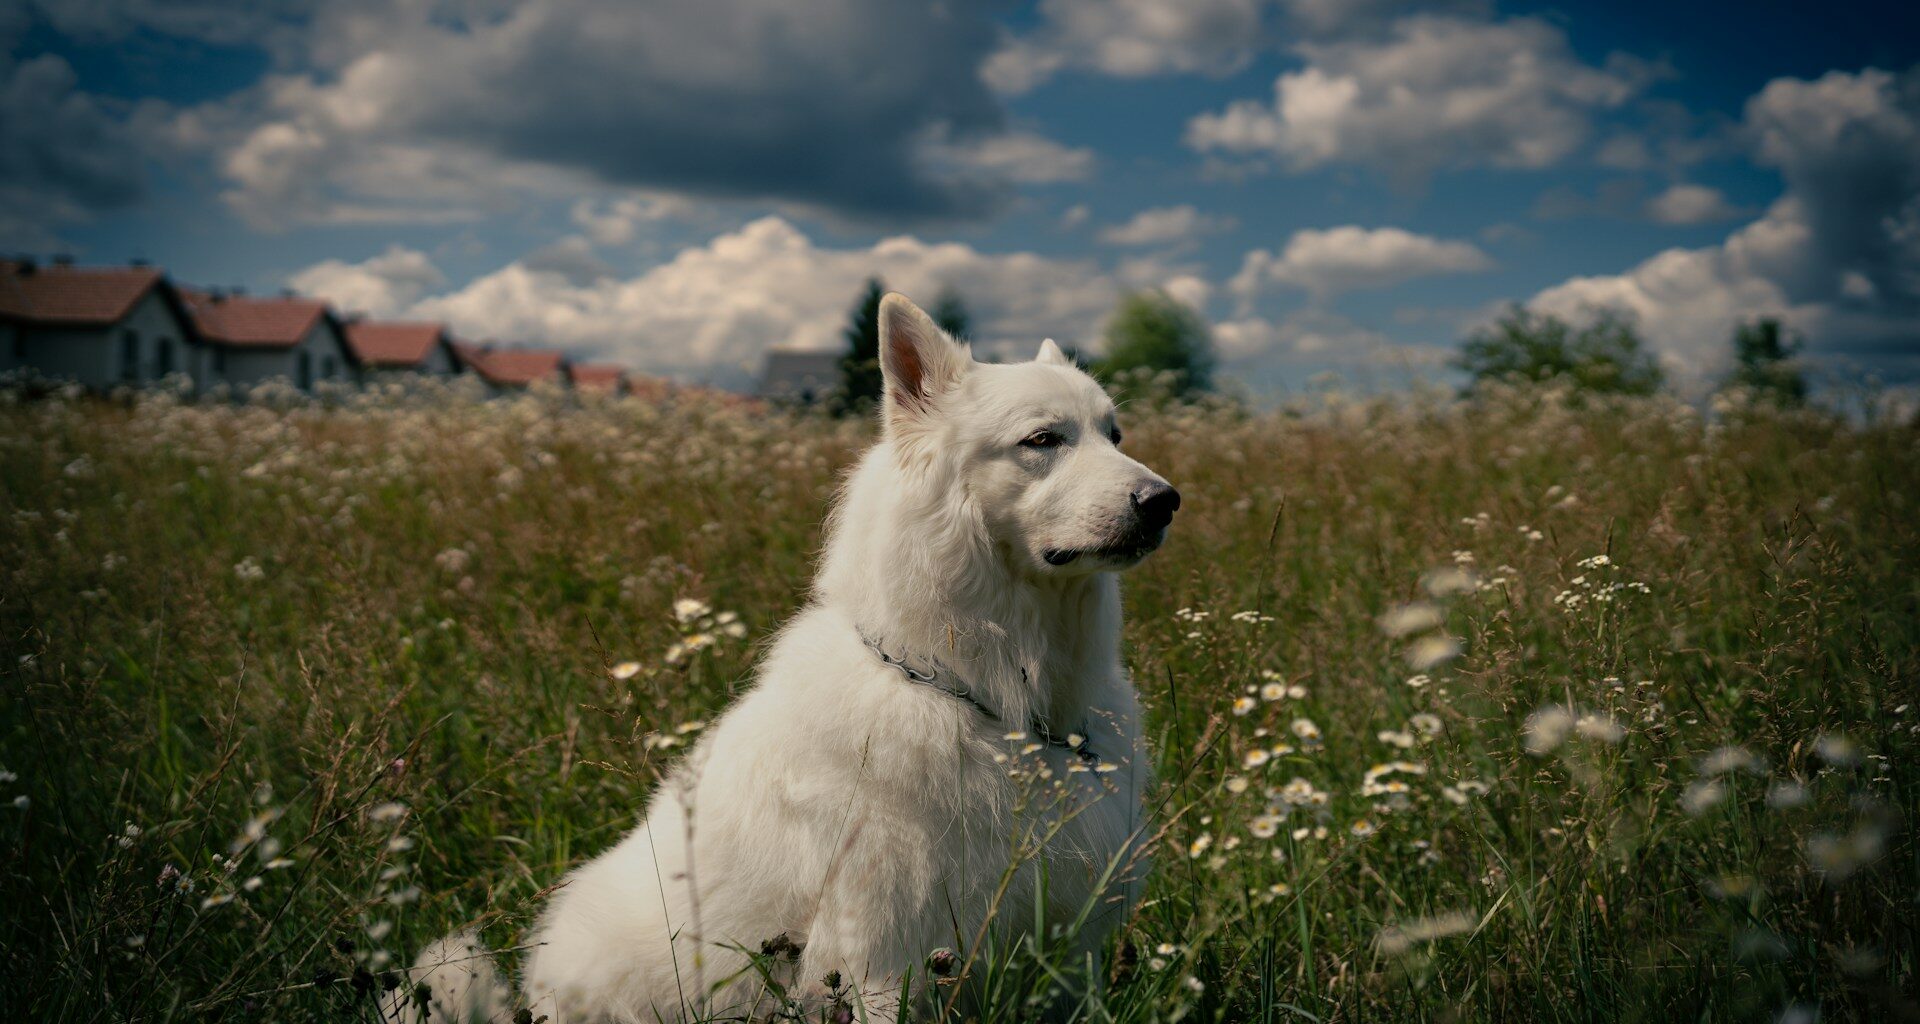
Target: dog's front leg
871 935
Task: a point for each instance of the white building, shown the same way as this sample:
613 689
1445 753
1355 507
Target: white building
390 348
800 376
98 326
256 340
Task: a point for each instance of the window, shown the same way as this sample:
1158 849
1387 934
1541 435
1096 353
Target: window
20 345
219 360
303 370
129 355
163 357
326 368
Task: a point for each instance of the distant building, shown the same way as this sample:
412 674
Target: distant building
599 377
392 348
513 369
256 340
799 377
106 327
98 326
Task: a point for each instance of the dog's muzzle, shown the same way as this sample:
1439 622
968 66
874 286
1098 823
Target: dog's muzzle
1154 503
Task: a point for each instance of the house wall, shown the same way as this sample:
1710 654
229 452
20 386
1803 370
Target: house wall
440 361
323 348
143 347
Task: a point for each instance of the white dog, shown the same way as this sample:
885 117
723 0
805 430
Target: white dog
943 737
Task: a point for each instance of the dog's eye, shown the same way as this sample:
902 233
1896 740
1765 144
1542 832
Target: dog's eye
1114 436
1042 439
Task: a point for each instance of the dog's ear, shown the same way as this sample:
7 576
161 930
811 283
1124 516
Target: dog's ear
917 359
1050 353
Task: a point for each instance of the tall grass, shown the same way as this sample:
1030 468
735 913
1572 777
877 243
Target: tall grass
1521 709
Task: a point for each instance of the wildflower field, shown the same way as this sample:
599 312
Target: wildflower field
1525 708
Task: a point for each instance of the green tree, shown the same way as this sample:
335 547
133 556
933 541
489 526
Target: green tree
1766 357
1152 333
1604 356
950 312
860 380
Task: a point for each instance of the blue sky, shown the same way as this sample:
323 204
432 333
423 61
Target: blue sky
1340 186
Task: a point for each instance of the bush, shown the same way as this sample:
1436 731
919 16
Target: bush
1604 356
1154 337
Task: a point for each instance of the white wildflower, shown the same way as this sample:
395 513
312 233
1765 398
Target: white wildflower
1408 619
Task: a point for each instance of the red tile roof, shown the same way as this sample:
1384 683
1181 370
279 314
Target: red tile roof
392 343
596 376
254 323
510 367
72 296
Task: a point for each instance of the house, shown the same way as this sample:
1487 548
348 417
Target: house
799 377
98 326
512 369
254 340
392 348
604 378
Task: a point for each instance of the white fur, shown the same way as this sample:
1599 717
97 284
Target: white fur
465 988
865 815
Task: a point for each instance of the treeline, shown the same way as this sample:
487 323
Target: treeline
1154 343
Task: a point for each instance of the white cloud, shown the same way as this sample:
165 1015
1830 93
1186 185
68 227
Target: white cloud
1342 259
1166 224
1021 157
714 309
1686 301
1435 92
380 286
1191 289
854 108
1289 352
65 153
1837 257
618 221
1129 39
1684 204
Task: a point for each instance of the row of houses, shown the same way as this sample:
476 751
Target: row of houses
108 327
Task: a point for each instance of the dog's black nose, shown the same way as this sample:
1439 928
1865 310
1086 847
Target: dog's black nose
1155 503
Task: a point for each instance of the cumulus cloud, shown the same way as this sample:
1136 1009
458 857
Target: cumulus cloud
1327 262
1430 93
714 309
1683 204
1129 39
862 108
380 286
1021 157
1679 204
1165 225
1294 350
1686 301
1837 256
618 221
1848 146
63 153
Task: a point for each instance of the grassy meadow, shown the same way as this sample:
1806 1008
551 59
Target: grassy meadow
1521 709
